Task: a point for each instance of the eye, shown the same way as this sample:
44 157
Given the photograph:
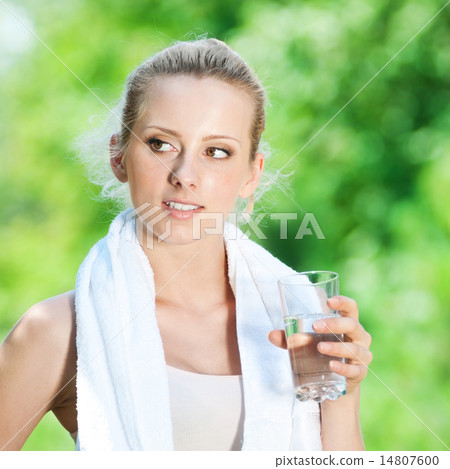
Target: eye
217 153
159 145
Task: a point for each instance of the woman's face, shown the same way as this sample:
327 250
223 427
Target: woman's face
190 154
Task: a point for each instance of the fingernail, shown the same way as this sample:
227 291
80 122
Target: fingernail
319 326
324 347
336 366
333 302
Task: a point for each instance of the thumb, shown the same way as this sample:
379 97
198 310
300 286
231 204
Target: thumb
278 338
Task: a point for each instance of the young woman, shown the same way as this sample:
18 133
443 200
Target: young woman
171 338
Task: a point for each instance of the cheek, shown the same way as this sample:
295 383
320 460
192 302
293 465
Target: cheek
225 185
146 180
148 170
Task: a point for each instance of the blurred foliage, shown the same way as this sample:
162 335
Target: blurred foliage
376 178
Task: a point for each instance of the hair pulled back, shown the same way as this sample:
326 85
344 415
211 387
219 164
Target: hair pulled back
200 58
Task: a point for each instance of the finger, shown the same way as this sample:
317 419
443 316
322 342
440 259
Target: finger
339 325
347 306
353 352
350 371
278 338
352 329
298 340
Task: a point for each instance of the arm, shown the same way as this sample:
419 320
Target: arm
340 418
340 424
33 360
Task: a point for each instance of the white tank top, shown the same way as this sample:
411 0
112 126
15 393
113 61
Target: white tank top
207 411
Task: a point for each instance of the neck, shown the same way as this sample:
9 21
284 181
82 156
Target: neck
193 274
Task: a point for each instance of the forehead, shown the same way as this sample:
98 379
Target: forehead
201 104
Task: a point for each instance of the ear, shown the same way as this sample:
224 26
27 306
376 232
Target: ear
256 170
117 161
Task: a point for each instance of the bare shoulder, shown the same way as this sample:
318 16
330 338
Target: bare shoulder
48 327
36 359
56 315
51 325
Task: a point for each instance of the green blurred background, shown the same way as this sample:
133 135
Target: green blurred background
377 178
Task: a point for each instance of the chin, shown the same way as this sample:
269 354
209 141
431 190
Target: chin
174 240
178 233
171 234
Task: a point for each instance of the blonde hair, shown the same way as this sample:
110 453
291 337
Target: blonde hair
200 58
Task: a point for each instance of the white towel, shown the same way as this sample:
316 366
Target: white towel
122 384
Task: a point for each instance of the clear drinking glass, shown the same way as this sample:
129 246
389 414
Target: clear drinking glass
304 300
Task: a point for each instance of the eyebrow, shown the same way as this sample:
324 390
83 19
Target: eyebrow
166 131
212 137
177 134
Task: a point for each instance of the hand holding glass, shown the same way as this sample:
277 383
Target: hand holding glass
304 301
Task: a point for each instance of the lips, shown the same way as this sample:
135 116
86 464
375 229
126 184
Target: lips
182 206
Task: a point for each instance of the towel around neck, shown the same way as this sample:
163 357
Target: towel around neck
122 385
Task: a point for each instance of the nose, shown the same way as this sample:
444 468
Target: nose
185 172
